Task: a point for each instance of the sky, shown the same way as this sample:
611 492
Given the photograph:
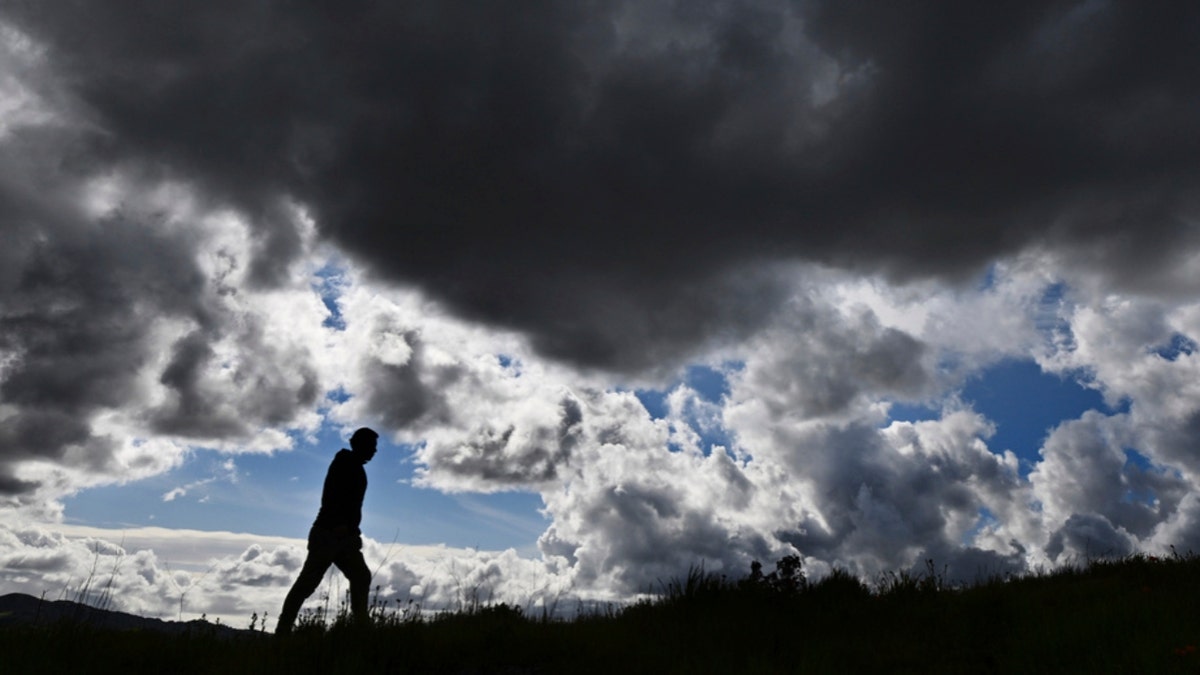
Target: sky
626 288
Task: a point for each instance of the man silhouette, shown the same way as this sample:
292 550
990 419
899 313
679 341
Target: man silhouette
335 538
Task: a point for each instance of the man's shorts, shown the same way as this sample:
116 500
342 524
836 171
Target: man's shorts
328 543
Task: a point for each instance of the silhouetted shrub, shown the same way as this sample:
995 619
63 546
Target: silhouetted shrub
787 579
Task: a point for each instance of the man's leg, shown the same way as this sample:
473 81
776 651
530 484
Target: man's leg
352 565
310 577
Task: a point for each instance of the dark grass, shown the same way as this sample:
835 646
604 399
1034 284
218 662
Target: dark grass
1135 615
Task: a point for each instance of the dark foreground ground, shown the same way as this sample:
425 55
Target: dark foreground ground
1138 615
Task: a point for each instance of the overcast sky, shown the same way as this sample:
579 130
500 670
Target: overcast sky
627 287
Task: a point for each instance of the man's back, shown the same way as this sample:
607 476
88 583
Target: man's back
342 496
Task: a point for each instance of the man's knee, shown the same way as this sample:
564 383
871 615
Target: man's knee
310 577
355 569
306 584
359 575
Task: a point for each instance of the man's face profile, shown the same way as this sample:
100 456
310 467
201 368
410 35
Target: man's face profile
368 448
363 445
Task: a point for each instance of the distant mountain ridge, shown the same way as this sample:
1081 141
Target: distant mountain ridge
21 609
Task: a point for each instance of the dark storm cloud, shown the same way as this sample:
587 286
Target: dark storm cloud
76 303
10 486
1061 119
569 167
85 302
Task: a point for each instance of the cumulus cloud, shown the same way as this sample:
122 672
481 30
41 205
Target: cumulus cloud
135 319
125 329
808 460
154 572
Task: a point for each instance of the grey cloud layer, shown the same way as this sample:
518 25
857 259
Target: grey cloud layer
567 167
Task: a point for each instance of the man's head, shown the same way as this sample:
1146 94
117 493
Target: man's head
362 444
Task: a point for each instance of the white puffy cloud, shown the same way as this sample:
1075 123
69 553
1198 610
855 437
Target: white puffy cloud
181 574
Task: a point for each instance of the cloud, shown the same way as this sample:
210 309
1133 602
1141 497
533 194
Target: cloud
818 362
131 326
562 171
811 462
155 572
531 216
227 471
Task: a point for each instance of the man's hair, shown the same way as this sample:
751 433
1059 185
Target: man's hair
363 434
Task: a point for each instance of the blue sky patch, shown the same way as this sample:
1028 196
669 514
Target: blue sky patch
985 520
1180 345
1136 462
912 412
1025 404
712 385
654 401
709 383
330 288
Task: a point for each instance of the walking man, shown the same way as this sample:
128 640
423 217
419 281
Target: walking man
335 538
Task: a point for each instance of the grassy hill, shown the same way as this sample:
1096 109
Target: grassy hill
1135 615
